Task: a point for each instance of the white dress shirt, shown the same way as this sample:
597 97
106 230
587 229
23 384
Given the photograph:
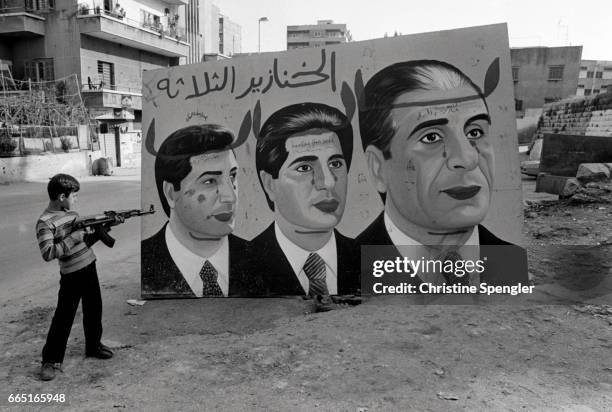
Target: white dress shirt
191 264
297 257
399 238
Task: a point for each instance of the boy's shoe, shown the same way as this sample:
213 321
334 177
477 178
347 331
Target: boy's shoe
47 371
100 352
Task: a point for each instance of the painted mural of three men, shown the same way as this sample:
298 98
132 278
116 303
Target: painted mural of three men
424 130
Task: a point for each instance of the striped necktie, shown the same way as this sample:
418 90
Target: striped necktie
210 287
315 271
451 278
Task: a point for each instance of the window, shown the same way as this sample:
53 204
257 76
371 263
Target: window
549 100
518 105
583 68
595 91
317 33
106 73
598 75
39 70
607 73
555 72
589 75
515 74
587 92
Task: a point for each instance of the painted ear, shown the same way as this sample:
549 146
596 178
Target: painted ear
360 90
374 160
150 139
491 78
168 189
243 133
348 100
256 119
268 184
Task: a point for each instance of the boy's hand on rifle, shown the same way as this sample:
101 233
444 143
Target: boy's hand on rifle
78 235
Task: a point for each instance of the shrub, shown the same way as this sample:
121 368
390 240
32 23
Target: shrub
66 143
7 144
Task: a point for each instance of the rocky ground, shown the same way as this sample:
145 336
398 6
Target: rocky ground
275 354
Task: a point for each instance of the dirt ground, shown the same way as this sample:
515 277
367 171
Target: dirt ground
275 354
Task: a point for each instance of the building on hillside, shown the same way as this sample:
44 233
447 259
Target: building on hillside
324 33
543 75
106 43
595 77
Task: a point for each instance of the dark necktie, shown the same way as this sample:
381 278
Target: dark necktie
210 287
451 278
315 271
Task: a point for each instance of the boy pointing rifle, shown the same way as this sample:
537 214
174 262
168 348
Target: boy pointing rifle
57 239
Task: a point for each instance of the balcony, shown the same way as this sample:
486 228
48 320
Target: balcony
114 27
22 18
111 97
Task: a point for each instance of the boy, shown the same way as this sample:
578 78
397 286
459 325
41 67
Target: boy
79 279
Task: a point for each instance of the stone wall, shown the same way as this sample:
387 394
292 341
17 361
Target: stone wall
590 116
31 168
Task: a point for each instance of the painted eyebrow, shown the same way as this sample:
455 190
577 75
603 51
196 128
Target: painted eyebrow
429 123
482 116
304 159
233 169
214 173
336 156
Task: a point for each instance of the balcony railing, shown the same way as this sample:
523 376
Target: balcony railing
26 6
101 86
173 30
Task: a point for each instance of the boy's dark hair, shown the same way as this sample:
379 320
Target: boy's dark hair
271 153
62 183
173 161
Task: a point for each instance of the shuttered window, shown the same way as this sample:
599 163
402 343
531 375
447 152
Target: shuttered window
106 72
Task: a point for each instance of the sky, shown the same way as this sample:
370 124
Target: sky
530 22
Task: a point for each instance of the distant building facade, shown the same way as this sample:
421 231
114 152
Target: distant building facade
543 75
107 43
595 77
324 33
230 37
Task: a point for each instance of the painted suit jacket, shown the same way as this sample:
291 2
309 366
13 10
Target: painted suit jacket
161 278
279 279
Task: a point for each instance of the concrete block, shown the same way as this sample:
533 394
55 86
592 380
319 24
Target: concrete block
591 172
552 184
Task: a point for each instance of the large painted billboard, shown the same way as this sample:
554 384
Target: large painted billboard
271 171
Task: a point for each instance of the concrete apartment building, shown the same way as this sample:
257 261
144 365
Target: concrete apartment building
595 77
324 33
230 37
212 35
543 75
107 43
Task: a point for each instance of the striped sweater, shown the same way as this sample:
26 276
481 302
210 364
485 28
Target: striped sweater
55 240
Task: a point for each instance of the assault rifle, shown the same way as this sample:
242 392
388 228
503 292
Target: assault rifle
101 223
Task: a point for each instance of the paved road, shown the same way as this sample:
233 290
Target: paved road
21 266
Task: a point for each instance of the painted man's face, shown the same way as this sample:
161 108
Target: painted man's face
205 204
310 191
440 173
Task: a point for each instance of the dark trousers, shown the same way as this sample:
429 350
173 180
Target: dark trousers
82 284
